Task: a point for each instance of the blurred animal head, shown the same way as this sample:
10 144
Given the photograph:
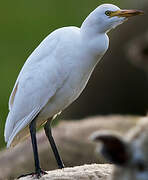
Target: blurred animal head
129 154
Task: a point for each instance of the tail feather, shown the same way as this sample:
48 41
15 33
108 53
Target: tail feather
8 127
12 129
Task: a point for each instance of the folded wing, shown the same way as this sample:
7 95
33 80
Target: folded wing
38 81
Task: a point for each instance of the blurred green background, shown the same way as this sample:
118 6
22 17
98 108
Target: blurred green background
24 24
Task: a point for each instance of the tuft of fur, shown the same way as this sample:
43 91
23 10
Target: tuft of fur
134 146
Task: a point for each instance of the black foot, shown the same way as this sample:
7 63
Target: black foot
39 173
61 166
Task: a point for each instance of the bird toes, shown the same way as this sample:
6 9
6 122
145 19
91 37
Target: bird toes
38 174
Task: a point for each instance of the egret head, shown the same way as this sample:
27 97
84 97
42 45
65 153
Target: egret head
108 16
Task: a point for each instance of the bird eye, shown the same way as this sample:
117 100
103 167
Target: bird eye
108 13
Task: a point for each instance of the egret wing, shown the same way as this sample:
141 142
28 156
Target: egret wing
37 83
46 48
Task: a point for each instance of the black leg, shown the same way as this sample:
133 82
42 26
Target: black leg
38 171
48 133
32 128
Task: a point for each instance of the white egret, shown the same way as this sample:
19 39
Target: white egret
56 73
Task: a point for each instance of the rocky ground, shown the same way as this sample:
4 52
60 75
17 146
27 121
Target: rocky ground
72 138
85 172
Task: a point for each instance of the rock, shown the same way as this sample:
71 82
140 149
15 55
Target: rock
73 143
85 172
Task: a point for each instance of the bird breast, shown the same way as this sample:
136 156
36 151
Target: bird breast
78 60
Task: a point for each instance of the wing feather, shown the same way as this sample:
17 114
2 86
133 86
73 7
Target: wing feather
20 125
40 78
11 99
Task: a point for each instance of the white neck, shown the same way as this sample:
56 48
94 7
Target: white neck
89 28
95 41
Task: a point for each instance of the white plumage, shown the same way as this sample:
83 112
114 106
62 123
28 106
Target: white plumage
57 71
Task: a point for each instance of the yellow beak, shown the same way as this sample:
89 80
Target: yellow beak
126 13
